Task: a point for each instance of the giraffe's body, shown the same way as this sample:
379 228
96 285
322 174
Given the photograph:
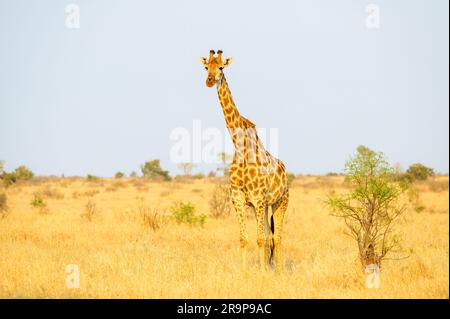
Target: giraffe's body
257 178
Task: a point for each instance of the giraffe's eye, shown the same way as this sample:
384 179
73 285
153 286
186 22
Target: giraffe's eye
206 68
221 68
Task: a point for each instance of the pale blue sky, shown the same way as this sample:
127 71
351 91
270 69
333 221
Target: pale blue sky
105 97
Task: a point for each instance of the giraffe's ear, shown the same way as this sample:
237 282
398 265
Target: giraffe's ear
203 60
227 62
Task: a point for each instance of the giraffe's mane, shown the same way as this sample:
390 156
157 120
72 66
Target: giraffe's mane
247 123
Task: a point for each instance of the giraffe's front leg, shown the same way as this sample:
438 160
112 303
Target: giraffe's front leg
239 203
261 233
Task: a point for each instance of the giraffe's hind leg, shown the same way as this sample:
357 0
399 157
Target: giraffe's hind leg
269 237
279 209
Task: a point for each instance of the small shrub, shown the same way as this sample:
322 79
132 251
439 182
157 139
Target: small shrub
185 179
38 201
185 213
137 183
39 204
401 178
419 172
111 189
212 174
140 185
8 178
220 202
322 182
50 192
90 193
332 174
90 211
199 176
64 184
437 186
419 208
92 178
151 218
133 174
415 200
3 206
119 175
119 184
142 189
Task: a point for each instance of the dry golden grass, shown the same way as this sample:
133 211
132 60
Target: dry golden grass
119 255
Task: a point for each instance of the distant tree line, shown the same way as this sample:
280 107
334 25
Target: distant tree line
152 169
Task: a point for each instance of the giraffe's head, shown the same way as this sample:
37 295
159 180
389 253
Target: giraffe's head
214 65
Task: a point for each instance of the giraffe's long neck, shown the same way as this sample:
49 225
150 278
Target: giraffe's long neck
232 117
230 112
243 132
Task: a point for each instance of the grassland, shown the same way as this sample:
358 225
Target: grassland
120 256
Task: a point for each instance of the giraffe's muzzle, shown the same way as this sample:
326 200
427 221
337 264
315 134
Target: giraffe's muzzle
210 80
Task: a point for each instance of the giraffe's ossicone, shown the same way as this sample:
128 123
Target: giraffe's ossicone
257 179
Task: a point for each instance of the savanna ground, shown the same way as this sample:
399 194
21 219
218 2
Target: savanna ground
120 255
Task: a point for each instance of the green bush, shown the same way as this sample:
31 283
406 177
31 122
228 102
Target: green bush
152 169
23 173
372 206
20 173
119 175
8 178
419 172
133 174
38 201
92 178
332 174
185 213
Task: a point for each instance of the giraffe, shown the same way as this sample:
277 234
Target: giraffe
257 179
